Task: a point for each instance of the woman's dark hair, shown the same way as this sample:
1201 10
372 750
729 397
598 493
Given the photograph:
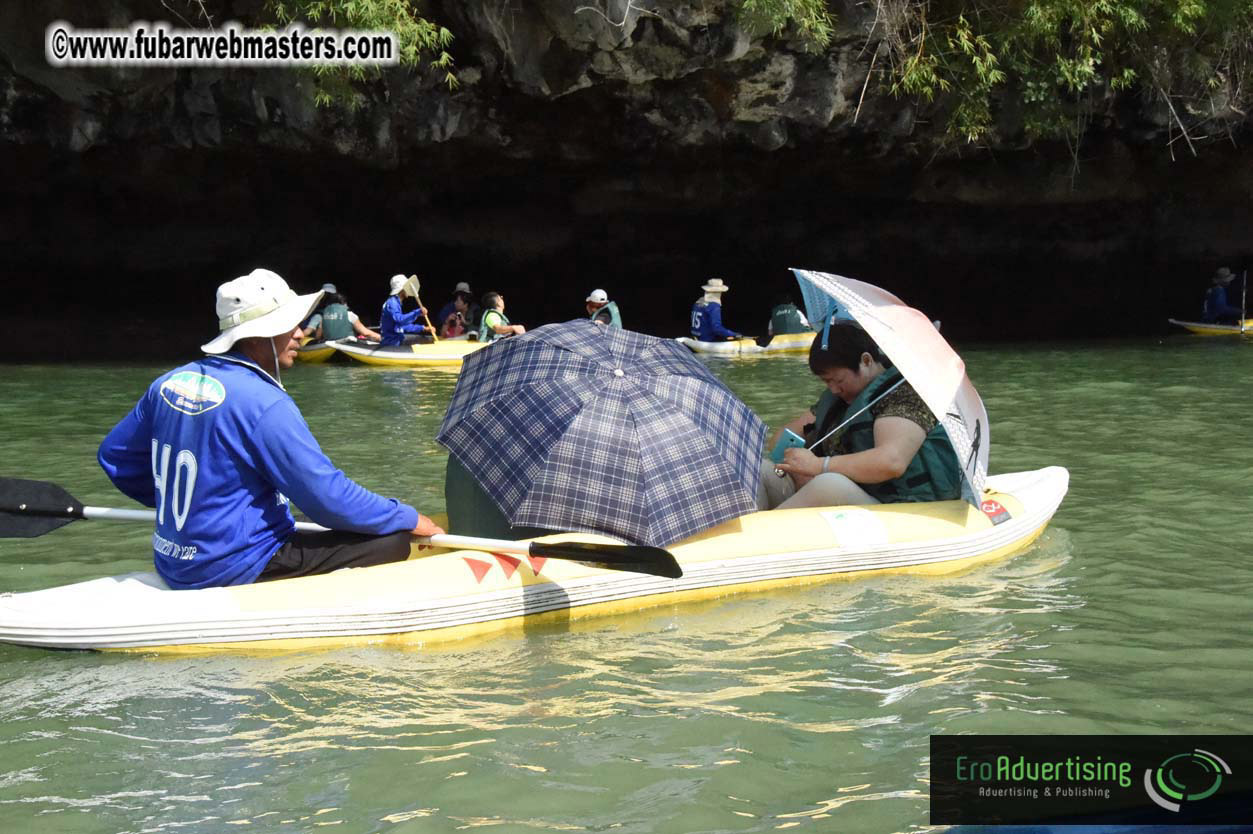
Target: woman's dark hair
464 297
489 300
331 298
845 345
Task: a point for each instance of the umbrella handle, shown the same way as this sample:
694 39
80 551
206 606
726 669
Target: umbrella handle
859 412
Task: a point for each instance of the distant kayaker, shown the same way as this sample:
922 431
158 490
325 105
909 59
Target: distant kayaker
218 447
707 315
450 308
1218 307
603 311
334 321
495 324
395 324
464 319
785 317
895 450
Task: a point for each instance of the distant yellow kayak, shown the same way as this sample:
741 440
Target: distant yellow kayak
1200 328
315 352
781 344
445 353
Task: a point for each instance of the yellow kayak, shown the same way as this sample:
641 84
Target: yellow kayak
782 344
442 596
447 352
315 352
1200 328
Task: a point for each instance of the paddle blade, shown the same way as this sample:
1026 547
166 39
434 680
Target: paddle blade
654 561
33 508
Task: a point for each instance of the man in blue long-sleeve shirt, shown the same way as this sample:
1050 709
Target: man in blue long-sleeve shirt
707 315
218 447
394 323
1218 308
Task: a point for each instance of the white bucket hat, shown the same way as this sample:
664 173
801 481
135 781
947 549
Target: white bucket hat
258 304
715 285
462 286
397 284
599 297
329 288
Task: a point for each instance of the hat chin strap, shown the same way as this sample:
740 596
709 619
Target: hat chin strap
278 374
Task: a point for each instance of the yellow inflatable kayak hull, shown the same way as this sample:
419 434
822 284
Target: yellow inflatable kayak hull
315 352
438 597
1200 328
782 344
447 353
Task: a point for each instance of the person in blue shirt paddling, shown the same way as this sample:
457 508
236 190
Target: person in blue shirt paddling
218 448
707 315
394 323
1218 307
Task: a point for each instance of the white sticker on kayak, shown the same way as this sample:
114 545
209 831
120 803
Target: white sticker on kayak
856 527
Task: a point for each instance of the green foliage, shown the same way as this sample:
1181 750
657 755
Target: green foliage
415 35
1061 61
811 17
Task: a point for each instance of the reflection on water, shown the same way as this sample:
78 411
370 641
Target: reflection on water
804 709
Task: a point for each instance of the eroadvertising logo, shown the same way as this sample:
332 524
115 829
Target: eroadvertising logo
1185 777
991 780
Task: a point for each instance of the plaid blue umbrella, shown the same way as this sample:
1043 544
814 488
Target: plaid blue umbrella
575 426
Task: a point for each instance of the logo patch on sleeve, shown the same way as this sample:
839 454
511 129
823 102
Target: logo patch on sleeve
192 393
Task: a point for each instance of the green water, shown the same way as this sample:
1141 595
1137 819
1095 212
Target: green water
804 709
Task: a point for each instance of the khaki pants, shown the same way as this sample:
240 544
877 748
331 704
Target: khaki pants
830 489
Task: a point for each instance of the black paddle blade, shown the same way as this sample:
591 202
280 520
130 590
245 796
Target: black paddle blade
32 508
637 558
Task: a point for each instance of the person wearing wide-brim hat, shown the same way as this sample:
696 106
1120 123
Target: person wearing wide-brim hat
707 314
602 311
1217 308
394 323
218 448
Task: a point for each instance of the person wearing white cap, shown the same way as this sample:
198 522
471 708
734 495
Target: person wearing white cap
334 321
707 315
394 323
218 447
603 311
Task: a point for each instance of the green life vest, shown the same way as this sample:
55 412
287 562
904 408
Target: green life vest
336 323
487 333
615 320
933 475
787 319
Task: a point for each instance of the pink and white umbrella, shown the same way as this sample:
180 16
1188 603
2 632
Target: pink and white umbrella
908 338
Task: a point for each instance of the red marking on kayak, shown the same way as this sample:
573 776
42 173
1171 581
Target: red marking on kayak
995 511
480 568
537 563
507 563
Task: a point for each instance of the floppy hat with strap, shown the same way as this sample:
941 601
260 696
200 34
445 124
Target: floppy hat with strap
258 304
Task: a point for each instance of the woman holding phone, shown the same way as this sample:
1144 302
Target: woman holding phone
891 449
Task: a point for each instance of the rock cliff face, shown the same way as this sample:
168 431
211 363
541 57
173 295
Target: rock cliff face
639 146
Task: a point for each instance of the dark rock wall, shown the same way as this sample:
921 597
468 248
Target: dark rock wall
642 158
